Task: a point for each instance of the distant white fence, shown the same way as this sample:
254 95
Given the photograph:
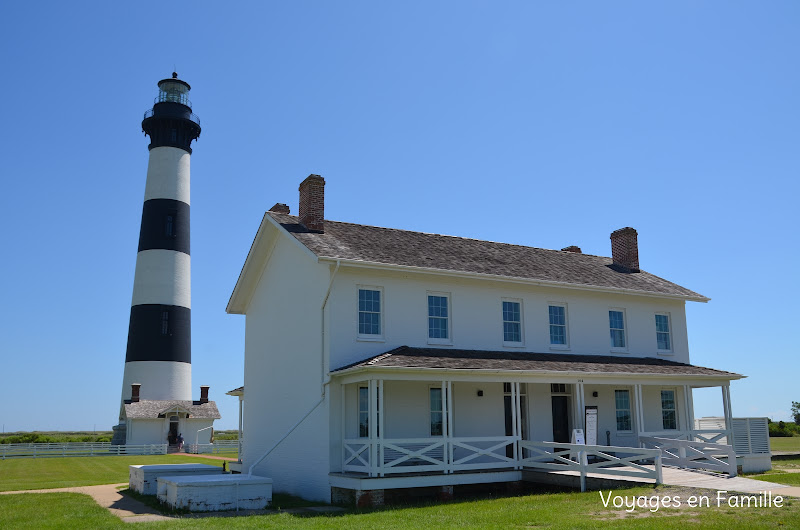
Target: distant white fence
60 450
219 446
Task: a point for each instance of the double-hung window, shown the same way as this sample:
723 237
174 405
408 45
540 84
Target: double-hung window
439 318
363 412
558 325
663 336
622 400
616 324
669 415
437 412
512 323
369 313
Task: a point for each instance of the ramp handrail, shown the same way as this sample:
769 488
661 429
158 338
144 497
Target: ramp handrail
553 456
694 455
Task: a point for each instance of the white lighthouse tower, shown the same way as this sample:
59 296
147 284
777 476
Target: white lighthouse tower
158 358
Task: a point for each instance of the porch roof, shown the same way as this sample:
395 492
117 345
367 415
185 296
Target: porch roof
477 360
151 408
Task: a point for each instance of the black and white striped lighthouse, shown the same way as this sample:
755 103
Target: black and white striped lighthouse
159 335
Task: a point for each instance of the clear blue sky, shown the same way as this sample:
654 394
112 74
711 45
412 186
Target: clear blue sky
544 124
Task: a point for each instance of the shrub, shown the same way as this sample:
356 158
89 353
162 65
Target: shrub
783 429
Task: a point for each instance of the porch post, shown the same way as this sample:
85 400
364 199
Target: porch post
726 405
637 395
513 409
446 427
518 417
241 403
580 400
687 414
380 412
373 428
343 394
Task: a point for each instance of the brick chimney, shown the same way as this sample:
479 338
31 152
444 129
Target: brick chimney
572 248
280 208
204 393
625 249
312 203
135 392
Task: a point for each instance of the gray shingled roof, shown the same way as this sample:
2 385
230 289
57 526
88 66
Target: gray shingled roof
154 408
416 249
440 358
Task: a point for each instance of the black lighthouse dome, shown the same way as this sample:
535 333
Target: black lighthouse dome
171 122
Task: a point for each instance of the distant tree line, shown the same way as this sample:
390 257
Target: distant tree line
787 428
39 438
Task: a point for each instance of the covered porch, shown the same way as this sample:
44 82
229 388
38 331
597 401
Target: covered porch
403 421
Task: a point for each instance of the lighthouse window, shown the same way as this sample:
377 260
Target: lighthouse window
169 226
174 135
165 322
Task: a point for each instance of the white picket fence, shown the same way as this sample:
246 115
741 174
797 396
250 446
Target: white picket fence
60 450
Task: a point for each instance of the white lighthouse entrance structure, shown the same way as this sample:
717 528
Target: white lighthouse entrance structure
158 360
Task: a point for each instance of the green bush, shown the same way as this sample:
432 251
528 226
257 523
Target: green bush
783 429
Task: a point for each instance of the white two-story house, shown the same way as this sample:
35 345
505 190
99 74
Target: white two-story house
382 358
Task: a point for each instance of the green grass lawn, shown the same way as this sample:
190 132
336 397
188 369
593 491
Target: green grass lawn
43 473
54 510
781 472
559 510
790 479
791 443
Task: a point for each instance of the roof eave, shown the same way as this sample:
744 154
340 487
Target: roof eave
512 279
256 261
565 373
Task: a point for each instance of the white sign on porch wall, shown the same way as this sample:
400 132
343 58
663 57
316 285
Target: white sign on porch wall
591 425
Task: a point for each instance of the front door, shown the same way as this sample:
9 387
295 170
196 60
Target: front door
560 419
173 430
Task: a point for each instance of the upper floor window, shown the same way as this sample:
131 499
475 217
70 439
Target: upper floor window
439 318
558 324
663 337
616 323
622 401
369 312
669 415
512 321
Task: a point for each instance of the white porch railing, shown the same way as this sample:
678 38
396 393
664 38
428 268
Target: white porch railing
607 460
425 455
694 455
49 450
